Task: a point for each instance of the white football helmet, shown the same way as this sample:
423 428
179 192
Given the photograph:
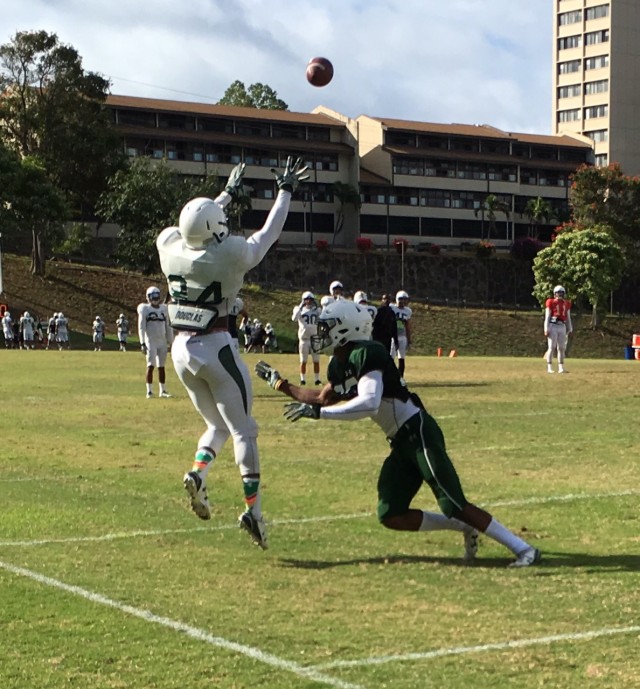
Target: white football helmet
559 289
153 294
202 220
401 295
98 318
326 300
27 314
341 322
336 284
7 314
60 315
121 315
307 295
360 297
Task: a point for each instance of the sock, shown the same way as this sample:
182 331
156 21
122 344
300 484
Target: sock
432 521
252 500
302 378
149 387
505 537
162 388
202 461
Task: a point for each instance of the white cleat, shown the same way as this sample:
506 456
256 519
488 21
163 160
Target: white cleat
470 544
197 491
526 558
165 394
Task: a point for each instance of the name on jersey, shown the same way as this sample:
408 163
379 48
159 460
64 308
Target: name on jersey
191 317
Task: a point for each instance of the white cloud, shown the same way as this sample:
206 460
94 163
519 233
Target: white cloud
471 61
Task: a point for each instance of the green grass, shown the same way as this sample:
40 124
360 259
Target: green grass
107 580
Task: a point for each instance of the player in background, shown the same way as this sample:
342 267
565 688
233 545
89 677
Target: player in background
122 328
305 314
336 292
155 336
271 339
98 333
365 383
385 327
62 331
27 330
361 299
7 330
403 317
205 269
237 310
51 330
557 327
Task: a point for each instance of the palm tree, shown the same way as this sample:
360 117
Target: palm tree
538 211
492 205
345 194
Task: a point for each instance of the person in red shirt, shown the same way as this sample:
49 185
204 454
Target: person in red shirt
557 327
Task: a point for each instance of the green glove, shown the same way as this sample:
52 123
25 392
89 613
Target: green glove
296 410
234 183
264 371
293 174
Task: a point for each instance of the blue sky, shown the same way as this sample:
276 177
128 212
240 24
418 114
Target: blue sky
462 61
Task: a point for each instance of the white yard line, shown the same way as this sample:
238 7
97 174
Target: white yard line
483 648
193 632
570 497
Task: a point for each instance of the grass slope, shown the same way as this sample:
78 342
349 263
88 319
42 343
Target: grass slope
82 292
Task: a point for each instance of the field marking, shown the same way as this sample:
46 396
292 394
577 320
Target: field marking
195 633
570 497
461 650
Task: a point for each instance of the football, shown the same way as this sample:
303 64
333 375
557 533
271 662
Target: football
319 71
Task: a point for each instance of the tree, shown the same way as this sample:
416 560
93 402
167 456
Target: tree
489 208
55 110
258 96
606 197
589 263
346 195
147 197
538 211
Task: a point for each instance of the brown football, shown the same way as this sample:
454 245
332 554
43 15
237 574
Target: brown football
319 71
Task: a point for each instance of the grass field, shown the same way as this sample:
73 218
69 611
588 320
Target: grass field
108 581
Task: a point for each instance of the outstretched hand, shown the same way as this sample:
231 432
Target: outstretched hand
296 410
269 374
234 183
294 172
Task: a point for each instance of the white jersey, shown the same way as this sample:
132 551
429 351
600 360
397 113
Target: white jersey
61 327
153 324
403 314
211 277
373 310
98 328
26 327
123 326
7 327
307 318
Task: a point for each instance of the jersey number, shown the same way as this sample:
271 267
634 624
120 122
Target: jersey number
178 290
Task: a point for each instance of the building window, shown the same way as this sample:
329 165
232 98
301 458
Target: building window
435 198
215 124
569 115
318 134
598 135
601 159
400 139
596 62
594 37
596 111
137 118
498 173
596 12
569 67
569 42
408 166
569 91
287 131
600 86
570 17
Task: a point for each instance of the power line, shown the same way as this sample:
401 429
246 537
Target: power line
162 88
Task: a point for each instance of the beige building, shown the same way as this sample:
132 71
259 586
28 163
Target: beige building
423 182
596 69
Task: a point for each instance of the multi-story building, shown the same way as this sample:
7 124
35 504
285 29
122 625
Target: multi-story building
426 183
596 66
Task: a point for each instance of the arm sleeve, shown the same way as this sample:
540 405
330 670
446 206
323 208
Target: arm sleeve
261 241
296 311
568 321
547 319
142 325
364 405
223 199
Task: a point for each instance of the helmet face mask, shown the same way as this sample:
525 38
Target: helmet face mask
341 322
559 290
201 221
153 295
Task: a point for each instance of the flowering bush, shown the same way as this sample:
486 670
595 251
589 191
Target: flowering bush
526 248
485 249
434 249
364 244
322 245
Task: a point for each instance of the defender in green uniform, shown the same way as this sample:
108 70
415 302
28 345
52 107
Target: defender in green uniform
365 383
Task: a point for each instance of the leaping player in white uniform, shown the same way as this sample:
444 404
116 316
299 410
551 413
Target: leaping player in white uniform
205 269
403 318
155 336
